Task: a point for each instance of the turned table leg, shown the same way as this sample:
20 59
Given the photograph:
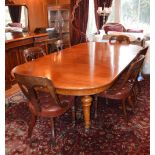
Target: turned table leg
86 103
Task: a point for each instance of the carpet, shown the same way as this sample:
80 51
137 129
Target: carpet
110 134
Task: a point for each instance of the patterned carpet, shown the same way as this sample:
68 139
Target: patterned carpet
110 134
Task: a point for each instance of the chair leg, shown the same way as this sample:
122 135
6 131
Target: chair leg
138 86
130 102
52 127
124 108
31 125
134 94
106 100
95 105
73 115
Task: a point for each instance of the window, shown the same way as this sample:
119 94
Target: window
23 20
135 14
111 17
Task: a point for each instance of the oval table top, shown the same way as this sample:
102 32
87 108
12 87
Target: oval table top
83 69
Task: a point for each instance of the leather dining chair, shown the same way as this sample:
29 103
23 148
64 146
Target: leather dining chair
43 100
140 77
122 39
122 88
33 53
118 39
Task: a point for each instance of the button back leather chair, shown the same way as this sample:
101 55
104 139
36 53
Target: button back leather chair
33 53
123 86
43 100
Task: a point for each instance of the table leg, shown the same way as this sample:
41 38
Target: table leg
86 103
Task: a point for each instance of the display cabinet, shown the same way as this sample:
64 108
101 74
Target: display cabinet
59 19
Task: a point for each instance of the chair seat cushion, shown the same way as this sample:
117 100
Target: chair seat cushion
49 108
117 92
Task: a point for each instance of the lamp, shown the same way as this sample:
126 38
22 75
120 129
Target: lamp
105 12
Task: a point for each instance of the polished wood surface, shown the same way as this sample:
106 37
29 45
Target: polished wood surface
82 70
82 67
17 36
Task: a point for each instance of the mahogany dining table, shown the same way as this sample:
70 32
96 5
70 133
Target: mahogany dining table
82 70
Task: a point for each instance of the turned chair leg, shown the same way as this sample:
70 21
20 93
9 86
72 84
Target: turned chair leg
31 125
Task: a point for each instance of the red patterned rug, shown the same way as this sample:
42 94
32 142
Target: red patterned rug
110 134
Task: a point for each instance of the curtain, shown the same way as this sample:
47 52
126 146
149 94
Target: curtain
91 24
79 18
99 19
15 13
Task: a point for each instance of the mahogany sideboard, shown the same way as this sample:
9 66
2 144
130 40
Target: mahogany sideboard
15 43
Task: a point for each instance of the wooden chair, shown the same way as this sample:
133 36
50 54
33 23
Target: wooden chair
122 39
143 51
43 100
140 77
123 86
33 53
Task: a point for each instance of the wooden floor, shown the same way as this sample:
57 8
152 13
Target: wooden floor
15 88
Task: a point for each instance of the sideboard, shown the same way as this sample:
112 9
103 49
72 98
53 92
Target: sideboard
15 43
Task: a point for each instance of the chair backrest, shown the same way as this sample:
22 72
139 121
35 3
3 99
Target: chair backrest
113 27
122 39
143 51
59 45
33 53
133 70
32 87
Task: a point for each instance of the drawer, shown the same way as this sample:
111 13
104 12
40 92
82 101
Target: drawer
40 39
18 43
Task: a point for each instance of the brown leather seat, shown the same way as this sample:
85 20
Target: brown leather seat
123 86
33 53
43 100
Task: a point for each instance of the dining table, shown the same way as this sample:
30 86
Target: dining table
82 70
